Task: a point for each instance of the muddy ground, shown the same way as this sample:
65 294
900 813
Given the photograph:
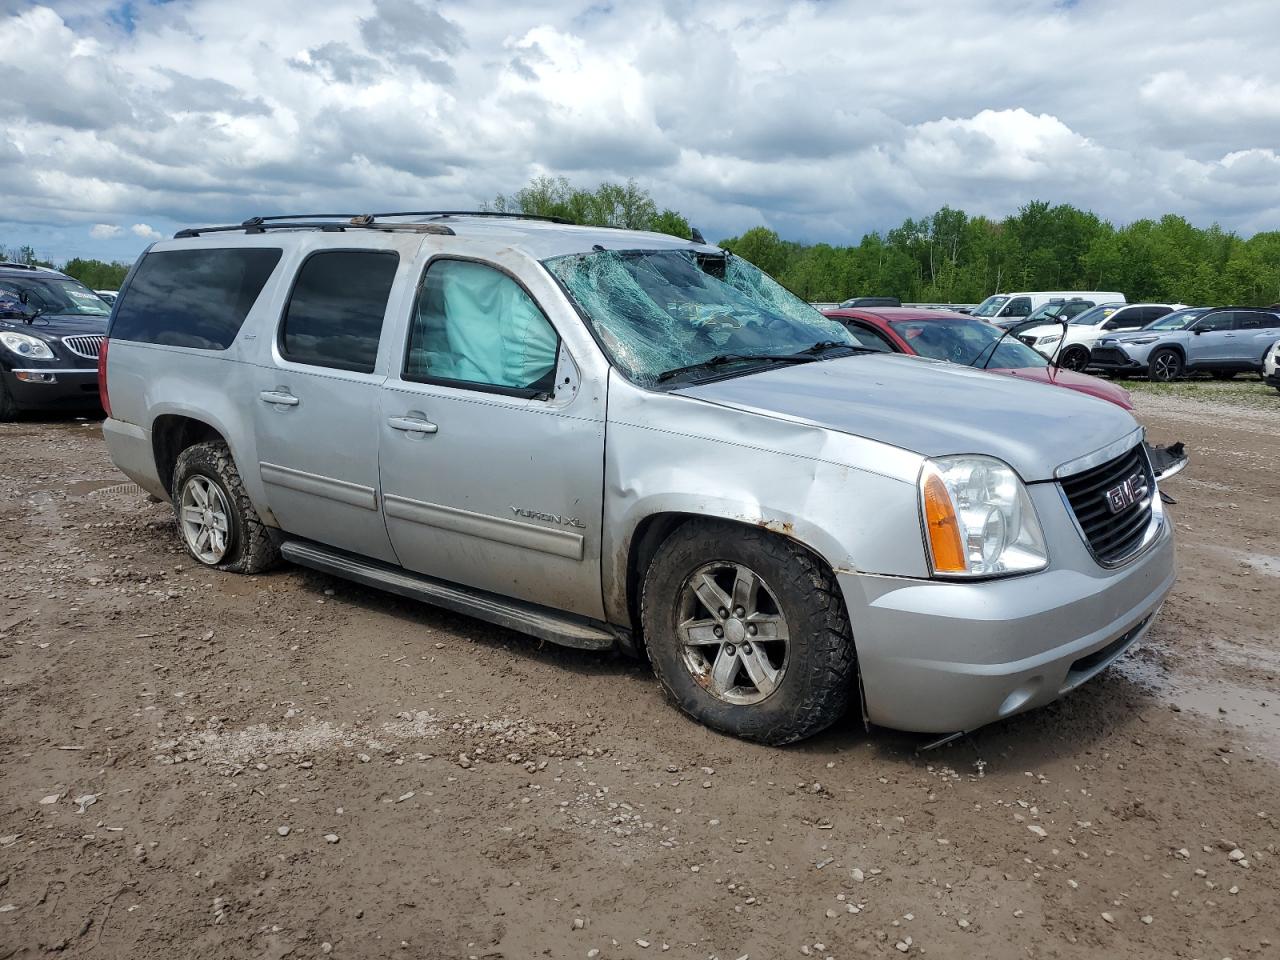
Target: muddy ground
199 764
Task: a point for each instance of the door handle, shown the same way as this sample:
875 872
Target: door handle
279 398
412 425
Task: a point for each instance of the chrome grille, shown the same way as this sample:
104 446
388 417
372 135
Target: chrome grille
1112 535
85 345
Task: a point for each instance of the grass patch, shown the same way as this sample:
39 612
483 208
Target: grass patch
1245 390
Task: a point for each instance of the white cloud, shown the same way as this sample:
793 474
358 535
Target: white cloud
824 120
146 231
104 231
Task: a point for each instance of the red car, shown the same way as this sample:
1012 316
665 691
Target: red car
943 335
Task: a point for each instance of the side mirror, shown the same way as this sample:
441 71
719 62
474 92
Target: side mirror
1197 331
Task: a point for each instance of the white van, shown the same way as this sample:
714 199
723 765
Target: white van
1005 308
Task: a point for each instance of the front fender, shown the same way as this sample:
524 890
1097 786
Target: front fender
674 455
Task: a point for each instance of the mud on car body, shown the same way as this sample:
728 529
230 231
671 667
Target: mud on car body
51 327
611 438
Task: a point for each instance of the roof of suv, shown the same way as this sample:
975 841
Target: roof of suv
28 270
537 237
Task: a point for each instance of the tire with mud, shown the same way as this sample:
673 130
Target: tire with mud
747 632
216 519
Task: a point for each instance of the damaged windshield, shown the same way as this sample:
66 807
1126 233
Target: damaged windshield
672 311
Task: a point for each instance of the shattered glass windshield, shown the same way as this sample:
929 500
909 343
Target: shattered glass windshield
660 310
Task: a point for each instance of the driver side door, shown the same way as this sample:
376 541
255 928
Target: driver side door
1213 339
491 459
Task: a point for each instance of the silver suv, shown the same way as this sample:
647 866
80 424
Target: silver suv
1222 341
606 438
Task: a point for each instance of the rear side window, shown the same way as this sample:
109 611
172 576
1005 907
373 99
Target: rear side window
334 315
193 298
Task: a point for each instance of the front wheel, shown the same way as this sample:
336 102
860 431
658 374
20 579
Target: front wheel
1164 365
1074 358
8 409
218 523
748 633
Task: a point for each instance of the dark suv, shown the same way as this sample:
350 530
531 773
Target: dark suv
51 328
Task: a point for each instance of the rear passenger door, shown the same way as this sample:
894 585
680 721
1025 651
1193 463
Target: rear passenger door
316 404
492 458
1256 331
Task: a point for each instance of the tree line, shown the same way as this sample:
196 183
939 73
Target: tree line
946 257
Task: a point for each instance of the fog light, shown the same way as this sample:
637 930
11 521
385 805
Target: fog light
30 376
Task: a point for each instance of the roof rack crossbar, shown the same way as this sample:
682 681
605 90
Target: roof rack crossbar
408 213
249 226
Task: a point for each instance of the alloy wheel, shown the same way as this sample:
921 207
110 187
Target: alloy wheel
732 632
205 519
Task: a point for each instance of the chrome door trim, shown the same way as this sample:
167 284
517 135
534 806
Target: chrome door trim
343 491
560 543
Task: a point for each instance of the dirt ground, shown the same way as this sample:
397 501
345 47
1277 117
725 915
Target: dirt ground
200 764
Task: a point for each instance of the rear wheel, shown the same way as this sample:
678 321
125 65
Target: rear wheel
218 523
747 632
1074 358
1164 365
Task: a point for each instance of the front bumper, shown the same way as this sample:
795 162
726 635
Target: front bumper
941 657
1116 359
53 388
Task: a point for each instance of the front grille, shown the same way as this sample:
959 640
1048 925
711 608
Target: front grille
85 345
1113 536
1108 355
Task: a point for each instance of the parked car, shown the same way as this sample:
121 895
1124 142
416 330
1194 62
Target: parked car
50 329
606 437
1056 309
108 295
1271 366
960 339
871 302
1070 344
1007 308
1222 341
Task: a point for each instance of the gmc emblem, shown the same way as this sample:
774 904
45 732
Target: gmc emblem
1127 493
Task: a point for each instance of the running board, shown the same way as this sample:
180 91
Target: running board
549 625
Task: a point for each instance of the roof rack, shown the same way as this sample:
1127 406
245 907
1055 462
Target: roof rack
13 265
333 222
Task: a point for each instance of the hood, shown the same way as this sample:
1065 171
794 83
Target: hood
931 408
51 326
1093 386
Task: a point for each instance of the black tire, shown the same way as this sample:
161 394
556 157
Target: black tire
1074 358
818 675
1224 374
8 409
1164 365
250 548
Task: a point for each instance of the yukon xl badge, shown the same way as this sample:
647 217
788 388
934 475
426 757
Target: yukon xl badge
1126 494
550 517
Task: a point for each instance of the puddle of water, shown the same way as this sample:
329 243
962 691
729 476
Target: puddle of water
80 488
1251 710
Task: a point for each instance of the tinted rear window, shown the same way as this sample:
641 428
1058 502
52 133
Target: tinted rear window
334 316
193 298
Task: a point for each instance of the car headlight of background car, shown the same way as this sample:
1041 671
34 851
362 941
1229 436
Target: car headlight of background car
26 346
978 519
1143 341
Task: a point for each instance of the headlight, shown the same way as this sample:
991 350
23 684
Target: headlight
978 519
1144 340
28 347
1046 341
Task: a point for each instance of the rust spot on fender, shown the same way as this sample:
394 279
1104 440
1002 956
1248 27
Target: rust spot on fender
784 527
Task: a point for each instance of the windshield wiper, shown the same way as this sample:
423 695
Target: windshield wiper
724 358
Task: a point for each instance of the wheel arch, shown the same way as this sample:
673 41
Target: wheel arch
171 433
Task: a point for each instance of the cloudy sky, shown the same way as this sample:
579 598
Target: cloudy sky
120 122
